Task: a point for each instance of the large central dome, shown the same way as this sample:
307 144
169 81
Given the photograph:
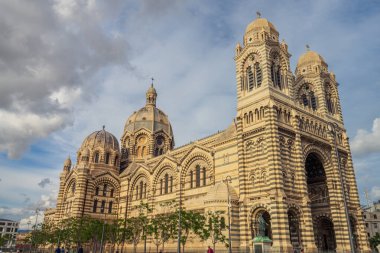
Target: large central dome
149 117
147 132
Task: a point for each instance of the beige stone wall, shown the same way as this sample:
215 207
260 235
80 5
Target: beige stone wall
278 152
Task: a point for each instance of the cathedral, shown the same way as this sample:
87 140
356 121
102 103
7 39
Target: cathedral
285 158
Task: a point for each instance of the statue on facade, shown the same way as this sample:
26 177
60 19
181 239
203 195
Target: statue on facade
262 224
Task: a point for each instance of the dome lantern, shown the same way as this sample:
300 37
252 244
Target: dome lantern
151 96
67 164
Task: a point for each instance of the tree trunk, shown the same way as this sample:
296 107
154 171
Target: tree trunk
214 247
134 248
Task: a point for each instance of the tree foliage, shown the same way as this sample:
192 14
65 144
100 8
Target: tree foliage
374 241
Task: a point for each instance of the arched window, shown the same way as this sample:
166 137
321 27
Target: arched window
171 183
115 160
73 188
305 101
329 99
161 186
259 75
95 206
191 179
97 191
141 191
204 176
111 193
307 96
137 192
110 207
105 190
103 206
197 176
275 71
96 157
145 190
166 183
251 78
107 158
313 101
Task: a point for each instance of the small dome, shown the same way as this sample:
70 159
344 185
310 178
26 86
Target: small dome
102 139
152 90
259 24
67 162
219 193
310 57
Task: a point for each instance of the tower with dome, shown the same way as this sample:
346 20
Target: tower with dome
286 152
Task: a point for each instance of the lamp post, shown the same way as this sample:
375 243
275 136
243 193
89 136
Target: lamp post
179 210
227 181
103 210
104 223
333 128
34 229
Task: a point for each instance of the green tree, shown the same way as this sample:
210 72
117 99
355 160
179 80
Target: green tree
374 241
191 221
136 227
214 228
162 228
4 239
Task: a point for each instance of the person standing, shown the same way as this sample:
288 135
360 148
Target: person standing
80 250
63 250
58 249
210 250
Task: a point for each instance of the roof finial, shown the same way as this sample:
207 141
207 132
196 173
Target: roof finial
152 81
258 14
307 47
104 127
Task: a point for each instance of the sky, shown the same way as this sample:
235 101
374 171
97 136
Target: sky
68 67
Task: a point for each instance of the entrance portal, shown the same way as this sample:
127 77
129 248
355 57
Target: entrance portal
325 234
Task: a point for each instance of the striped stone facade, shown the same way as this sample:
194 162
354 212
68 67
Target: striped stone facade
280 152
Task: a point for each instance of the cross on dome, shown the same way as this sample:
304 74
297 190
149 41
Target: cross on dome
258 14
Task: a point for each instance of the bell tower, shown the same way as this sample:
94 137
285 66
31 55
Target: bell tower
315 86
262 67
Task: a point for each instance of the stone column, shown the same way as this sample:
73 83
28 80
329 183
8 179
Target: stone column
337 201
306 221
279 209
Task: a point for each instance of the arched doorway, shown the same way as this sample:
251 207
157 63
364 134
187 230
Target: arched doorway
294 229
261 224
325 234
319 202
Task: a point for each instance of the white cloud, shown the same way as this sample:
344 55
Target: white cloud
52 55
366 142
17 131
375 193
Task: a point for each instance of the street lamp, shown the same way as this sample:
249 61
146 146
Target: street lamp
179 209
34 229
332 127
227 181
102 210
